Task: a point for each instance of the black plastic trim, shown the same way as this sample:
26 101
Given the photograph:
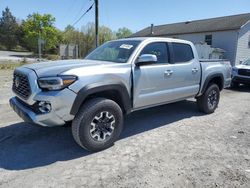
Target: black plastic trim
209 78
100 87
242 80
25 116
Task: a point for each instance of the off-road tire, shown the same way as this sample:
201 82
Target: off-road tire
82 122
203 101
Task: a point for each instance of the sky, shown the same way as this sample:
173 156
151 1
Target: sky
133 14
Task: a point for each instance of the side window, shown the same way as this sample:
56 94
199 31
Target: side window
209 39
182 52
159 49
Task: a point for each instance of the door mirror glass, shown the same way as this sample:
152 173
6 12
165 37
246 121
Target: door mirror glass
146 59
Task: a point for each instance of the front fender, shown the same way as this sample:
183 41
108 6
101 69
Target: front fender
101 87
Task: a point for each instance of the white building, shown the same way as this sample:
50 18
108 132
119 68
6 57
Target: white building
230 33
205 51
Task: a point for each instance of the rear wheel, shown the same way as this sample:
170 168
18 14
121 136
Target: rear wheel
98 124
209 101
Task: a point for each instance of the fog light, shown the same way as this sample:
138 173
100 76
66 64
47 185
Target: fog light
44 107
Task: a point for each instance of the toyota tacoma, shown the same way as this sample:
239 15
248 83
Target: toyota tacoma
117 78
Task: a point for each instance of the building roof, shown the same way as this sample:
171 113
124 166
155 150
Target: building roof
234 22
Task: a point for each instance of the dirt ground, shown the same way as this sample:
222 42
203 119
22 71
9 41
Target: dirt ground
11 56
167 146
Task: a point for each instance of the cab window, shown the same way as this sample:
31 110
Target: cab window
160 49
182 52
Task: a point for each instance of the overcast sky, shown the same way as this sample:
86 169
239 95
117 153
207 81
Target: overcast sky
134 14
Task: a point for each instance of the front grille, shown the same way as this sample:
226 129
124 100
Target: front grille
21 85
244 72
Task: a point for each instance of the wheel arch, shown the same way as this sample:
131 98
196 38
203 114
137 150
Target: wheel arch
215 78
113 91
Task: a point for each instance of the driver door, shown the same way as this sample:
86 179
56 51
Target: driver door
153 82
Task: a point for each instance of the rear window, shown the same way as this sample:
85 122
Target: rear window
182 52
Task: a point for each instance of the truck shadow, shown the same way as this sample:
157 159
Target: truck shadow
24 146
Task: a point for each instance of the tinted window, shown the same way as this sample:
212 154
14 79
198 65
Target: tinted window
159 49
247 62
182 52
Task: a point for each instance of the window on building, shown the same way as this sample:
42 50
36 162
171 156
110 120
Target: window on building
208 39
160 49
182 53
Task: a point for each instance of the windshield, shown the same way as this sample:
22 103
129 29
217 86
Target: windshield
114 51
247 62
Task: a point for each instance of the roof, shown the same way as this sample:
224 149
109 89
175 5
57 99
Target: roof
150 38
234 22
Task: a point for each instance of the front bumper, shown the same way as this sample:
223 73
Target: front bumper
241 79
28 115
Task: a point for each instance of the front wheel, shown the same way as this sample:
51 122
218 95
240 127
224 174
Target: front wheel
98 124
209 101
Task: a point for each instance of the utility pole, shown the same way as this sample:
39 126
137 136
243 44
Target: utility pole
39 46
79 43
96 23
40 42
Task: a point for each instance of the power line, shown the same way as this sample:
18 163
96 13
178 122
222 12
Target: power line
81 9
83 15
70 9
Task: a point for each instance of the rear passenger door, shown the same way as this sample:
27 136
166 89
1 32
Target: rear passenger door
175 76
186 70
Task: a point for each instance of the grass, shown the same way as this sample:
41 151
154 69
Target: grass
10 65
51 57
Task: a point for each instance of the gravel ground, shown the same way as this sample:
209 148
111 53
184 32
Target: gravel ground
167 146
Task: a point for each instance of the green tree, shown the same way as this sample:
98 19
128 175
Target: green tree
123 33
8 29
86 37
73 36
37 25
89 38
105 34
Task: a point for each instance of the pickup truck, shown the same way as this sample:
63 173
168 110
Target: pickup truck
241 74
117 78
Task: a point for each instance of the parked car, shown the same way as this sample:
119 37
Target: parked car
241 74
117 78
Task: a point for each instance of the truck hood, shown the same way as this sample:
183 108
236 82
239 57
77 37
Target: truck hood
242 67
55 68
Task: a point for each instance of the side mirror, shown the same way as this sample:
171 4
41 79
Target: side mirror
146 59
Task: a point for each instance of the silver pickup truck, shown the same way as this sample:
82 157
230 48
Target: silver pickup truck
117 78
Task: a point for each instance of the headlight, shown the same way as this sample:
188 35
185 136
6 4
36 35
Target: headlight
56 83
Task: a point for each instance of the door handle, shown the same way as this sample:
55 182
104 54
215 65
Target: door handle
195 70
168 73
